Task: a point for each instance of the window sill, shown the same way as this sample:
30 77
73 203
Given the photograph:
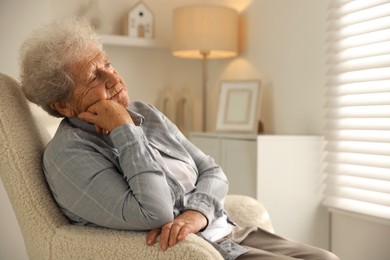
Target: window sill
359 216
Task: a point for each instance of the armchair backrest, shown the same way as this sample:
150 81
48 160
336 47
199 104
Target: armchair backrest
21 171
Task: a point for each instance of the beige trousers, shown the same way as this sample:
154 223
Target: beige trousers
263 245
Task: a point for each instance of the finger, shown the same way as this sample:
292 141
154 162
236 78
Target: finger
174 232
152 236
94 107
164 236
88 117
184 232
98 129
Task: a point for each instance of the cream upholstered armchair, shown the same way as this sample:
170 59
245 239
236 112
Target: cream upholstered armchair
47 233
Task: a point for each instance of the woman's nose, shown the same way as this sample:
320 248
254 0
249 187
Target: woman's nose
111 79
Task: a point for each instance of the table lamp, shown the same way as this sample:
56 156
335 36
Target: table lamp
205 32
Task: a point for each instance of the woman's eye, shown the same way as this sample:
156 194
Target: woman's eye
93 79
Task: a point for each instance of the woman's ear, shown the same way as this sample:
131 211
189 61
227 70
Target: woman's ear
63 109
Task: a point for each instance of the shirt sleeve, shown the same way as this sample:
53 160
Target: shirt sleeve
86 182
212 184
211 187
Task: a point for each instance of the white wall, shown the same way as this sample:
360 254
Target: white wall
278 46
283 43
17 19
359 238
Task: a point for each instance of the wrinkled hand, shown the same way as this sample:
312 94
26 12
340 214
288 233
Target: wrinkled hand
106 115
188 222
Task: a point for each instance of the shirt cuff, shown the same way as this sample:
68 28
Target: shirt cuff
201 204
125 134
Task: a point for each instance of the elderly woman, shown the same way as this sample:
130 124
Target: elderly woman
124 165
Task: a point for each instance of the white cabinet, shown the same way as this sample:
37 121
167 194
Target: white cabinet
236 154
290 185
281 171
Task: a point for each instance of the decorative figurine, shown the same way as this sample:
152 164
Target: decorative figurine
140 21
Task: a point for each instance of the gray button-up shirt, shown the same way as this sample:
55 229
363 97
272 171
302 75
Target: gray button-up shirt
115 180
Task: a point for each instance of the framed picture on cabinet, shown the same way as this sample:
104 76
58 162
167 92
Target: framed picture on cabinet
239 106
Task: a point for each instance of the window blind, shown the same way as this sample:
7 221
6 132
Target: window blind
357 107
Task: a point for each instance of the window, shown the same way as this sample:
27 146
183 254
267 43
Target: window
357 109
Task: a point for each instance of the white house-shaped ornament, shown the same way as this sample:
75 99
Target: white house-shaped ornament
140 21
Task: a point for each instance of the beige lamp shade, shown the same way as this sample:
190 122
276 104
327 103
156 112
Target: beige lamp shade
202 31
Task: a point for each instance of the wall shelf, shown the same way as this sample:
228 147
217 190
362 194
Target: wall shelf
122 40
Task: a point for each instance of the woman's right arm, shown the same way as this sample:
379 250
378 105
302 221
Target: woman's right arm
86 182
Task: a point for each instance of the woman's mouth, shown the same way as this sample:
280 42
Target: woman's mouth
115 94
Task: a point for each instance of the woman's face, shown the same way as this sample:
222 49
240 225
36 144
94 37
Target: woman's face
95 80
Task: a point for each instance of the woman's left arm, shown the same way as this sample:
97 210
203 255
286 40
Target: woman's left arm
202 205
211 186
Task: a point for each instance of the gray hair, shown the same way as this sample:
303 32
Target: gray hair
44 58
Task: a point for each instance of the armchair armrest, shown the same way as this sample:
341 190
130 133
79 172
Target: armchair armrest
78 242
247 211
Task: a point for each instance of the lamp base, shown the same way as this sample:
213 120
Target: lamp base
204 89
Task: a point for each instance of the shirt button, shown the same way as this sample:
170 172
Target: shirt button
167 151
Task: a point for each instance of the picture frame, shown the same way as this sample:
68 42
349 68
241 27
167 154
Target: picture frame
239 106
